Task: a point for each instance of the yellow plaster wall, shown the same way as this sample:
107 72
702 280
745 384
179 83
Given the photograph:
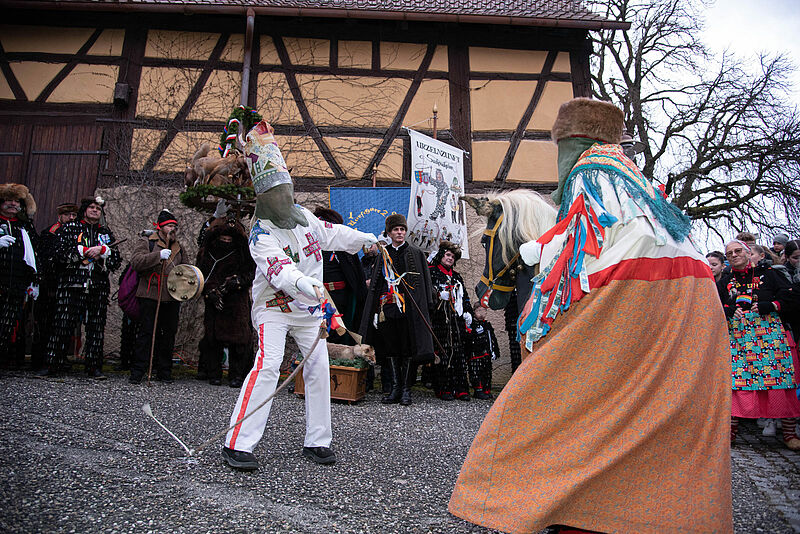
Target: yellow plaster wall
308 51
499 104
554 94
234 49
352 100
401 56
87 83
408 56
268 52
505 60
355 54
219 96
562 63
275 101
180 45
5 90
487 156
535 161
43 39
302 156
421 109
34 76
142 145
109 43
352 154
391 167
162 91
180 151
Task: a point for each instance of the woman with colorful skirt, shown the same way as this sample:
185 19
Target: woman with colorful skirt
763 357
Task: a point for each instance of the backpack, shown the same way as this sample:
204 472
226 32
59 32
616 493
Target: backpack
126 296
128 284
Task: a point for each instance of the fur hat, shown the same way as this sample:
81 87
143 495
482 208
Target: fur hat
329 215
585 117
67 207
395 219
11 191
445 246
86 202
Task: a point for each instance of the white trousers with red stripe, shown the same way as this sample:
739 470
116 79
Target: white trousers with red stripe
262 380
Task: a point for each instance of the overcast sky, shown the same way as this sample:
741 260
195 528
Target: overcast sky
747 27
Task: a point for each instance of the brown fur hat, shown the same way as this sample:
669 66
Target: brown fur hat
19 192
585 117
395 219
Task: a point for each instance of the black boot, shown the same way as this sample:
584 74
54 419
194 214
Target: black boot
409 377
393 397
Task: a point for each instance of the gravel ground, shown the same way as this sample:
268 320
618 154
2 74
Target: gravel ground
80 456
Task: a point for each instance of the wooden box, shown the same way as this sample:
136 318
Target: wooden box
347 383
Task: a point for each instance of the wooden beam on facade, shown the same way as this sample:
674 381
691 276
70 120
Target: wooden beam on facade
310 127
460 118
12 81
180 118
519 133
397 122
579 59
64 72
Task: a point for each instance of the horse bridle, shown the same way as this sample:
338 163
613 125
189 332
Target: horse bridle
490 281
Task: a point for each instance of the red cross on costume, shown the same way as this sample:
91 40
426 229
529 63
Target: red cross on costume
313 247
282 300
276 266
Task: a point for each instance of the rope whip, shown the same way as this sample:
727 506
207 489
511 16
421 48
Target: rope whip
323 333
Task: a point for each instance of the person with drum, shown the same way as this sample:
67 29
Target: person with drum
153 260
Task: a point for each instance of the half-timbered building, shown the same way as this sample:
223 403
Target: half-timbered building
98 93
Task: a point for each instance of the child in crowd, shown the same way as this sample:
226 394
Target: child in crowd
481 351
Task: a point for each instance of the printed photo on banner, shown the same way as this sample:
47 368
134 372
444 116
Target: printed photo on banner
435 212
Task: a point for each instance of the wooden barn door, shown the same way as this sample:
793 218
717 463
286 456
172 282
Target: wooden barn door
58 162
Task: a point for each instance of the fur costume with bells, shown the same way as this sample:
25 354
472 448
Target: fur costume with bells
451 311
286 242
83 287
18 265
228 269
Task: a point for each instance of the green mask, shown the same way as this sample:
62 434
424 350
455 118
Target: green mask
569 151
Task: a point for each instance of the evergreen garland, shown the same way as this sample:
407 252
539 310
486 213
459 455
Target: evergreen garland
241 117
195 197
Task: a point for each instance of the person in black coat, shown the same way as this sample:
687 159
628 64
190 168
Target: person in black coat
228 268
344 279
396 319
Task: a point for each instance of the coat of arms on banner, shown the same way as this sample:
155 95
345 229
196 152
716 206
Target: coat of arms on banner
435 212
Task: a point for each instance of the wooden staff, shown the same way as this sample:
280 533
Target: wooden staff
155 322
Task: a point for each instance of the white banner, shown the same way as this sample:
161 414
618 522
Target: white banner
435 212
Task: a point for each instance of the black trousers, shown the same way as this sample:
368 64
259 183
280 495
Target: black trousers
166 329
240 358
127 345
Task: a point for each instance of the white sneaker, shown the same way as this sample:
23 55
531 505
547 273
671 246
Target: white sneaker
769 428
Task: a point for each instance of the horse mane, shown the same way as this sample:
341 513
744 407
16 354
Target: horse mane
527 216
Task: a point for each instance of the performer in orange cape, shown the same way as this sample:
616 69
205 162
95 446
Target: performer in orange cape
618 419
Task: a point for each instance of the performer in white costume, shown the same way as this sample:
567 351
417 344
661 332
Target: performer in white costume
286 242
